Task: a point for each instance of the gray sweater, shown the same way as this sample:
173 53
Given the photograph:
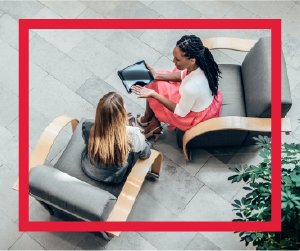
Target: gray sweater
114 174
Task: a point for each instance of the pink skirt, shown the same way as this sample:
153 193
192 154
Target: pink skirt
170 90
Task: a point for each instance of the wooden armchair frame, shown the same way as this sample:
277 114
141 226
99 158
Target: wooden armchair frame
134 180
231 122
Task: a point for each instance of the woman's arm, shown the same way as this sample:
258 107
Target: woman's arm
149 93
174 76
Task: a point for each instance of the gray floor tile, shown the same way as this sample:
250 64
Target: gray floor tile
21 9
1 13
46 13
163 41
174 9
238 12
26 243
89 14
291 50
175 187
227 240
236 33
127 241
296 133
211 9
37 124
89 243
289 139
169 240
147 3
207 205
274 9
290 47
296 91
136 32
53 99
10 153
9 232
250 149
58 240
6 136
294 77
96 57
163 64
36 75
66 9
99 34
94 88
9 197
293 113
46 56
245 158
14 127
63 39
134 10
38 213
8 106
154 211
124 44
201 243
291 21
214 174
9 31
115 81
101 7
168 146
9 67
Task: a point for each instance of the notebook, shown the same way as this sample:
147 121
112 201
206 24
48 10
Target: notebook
136 74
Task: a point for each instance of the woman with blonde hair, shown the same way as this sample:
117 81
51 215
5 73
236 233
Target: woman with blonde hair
112 146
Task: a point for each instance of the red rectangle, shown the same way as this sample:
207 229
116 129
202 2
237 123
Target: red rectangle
26 24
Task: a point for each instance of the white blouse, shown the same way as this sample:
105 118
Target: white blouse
195 93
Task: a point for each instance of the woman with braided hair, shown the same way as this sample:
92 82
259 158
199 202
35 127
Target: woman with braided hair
185 97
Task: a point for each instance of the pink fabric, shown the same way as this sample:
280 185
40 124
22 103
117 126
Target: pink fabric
170 90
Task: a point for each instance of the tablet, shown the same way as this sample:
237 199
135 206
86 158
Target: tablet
136 74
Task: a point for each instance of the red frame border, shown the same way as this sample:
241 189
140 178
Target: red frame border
26 24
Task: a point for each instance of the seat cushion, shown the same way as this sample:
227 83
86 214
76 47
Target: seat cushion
70 162
70 194
256 74
231 87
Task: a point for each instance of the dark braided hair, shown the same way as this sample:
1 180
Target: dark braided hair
192 47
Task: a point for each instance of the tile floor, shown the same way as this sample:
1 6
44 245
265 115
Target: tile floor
71 69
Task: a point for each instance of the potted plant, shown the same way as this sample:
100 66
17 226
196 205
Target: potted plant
256 205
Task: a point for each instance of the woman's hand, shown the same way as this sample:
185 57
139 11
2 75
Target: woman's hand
142 92
152 71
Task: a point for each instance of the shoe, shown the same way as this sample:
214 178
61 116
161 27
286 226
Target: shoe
138 118
151 133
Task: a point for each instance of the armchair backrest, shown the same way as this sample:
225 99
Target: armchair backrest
256 75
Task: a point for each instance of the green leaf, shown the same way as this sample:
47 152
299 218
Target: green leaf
259 235
253 236
237 202
295 178
233 169
247 188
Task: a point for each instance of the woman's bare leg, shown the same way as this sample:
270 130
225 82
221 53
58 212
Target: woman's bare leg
148 113
154 123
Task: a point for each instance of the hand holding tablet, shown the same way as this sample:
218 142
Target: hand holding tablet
136 74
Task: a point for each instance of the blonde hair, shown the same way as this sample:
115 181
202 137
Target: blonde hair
108 140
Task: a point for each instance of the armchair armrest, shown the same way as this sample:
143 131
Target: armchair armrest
237 44
43 146
232 122
133 185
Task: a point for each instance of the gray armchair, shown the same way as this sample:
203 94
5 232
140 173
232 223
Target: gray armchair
246 107
66 189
